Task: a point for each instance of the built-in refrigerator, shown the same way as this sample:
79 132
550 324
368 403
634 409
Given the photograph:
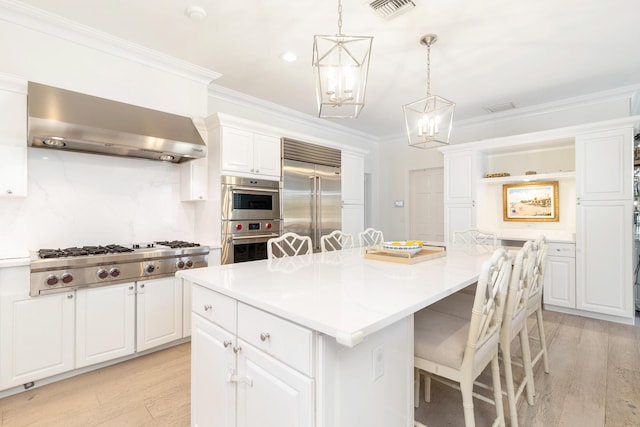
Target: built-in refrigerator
311 195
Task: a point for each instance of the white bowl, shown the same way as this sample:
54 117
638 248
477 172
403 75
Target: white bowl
401 248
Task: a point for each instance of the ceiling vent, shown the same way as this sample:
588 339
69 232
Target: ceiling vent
499 107
388 9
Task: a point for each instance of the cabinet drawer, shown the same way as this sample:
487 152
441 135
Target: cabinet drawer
286 341
561 249
215 307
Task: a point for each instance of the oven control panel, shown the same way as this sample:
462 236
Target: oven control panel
250 227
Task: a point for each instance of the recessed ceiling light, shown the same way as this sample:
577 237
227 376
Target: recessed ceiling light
289 57
196 13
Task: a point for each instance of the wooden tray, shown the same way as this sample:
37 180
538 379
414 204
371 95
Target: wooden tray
404 258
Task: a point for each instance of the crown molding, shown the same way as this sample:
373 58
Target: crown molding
35 19
288 114
13 83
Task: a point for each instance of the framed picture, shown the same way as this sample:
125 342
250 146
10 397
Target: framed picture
533 201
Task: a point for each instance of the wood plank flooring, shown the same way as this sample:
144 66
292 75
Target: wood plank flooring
152 390
594 381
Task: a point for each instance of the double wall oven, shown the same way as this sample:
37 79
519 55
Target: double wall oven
250 217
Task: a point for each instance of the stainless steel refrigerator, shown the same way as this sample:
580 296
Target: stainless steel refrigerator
311 197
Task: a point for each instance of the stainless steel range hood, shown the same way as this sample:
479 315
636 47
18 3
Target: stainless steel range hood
72 121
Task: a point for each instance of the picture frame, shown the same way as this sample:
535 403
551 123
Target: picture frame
531 202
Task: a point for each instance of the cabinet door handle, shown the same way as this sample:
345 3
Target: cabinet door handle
237 349
265 336
234 378
227 344
70 296
9 191
207 307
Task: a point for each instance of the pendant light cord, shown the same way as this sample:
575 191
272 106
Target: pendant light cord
339 17
428 70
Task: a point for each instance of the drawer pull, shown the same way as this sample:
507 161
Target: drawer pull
233 378
265 336
227 344
207 307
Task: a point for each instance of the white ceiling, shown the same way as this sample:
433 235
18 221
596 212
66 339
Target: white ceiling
488 52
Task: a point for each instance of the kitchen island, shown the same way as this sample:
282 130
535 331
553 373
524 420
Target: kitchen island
314 340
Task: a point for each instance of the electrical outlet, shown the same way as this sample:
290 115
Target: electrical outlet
378 363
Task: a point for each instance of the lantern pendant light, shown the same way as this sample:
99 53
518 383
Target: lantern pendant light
341 66
429 120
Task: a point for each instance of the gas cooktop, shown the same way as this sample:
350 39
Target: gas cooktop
59 270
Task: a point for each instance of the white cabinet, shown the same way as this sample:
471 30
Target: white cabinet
194 180
36 337
257 363
270 393
604 220
604 165
459 192
105 323
159 312
560 275
251 153
13 139
352 173
211 366
604 268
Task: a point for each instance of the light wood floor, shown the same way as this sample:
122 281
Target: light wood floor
594 381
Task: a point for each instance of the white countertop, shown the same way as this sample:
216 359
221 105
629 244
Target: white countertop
341 293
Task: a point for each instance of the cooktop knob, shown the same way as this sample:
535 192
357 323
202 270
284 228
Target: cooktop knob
150 268
52 280
180 264
114 272
189 264
102 273
66 278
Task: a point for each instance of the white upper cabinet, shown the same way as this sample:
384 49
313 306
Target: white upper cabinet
604 162
13 139
247 152
352 172
194 180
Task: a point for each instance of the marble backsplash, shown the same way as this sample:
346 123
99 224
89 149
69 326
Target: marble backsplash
77 199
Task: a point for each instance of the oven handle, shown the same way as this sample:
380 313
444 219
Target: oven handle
255 190
255 236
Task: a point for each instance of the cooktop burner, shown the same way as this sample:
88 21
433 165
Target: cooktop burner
84 250
178 244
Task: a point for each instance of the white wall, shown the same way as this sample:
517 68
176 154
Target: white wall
79 199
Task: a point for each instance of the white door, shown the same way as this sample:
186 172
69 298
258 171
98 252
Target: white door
36 337
604 272
213 396
426 204
159 312
105 323
273 394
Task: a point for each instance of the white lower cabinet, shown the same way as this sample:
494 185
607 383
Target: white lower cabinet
604 271
560 275
105 319
36 337
210 367
257 383
159 312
